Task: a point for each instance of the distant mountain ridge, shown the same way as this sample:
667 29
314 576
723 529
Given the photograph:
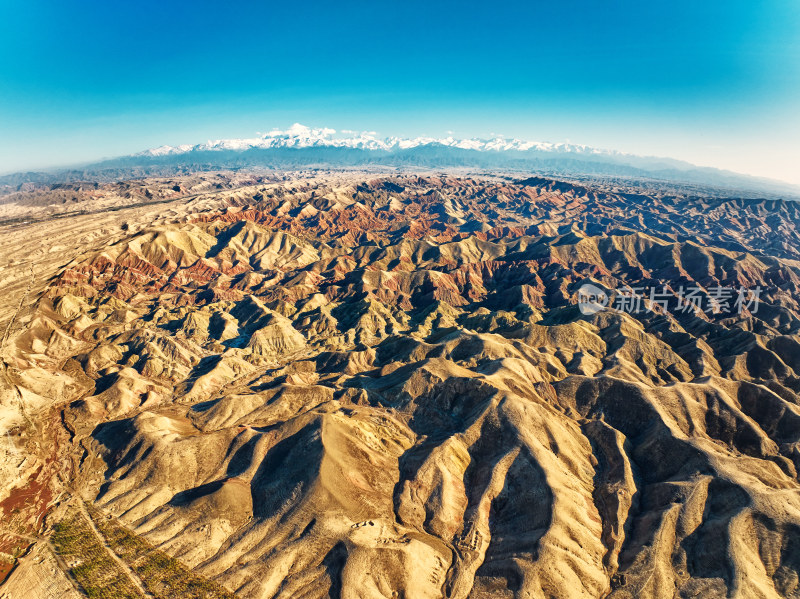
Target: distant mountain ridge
301 136
300 147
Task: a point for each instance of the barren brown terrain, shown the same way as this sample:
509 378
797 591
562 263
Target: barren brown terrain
369 385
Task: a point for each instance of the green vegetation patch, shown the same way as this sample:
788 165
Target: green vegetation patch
89 562
162 576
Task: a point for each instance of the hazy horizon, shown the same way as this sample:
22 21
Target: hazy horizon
444 134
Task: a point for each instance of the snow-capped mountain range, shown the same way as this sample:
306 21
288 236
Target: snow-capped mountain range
301 147
301 136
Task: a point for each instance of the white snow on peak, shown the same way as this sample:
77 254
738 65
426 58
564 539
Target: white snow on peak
301 136
164 150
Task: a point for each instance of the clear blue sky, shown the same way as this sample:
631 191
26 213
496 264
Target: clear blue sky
716 83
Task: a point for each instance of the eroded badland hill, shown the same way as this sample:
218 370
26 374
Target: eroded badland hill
382 386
